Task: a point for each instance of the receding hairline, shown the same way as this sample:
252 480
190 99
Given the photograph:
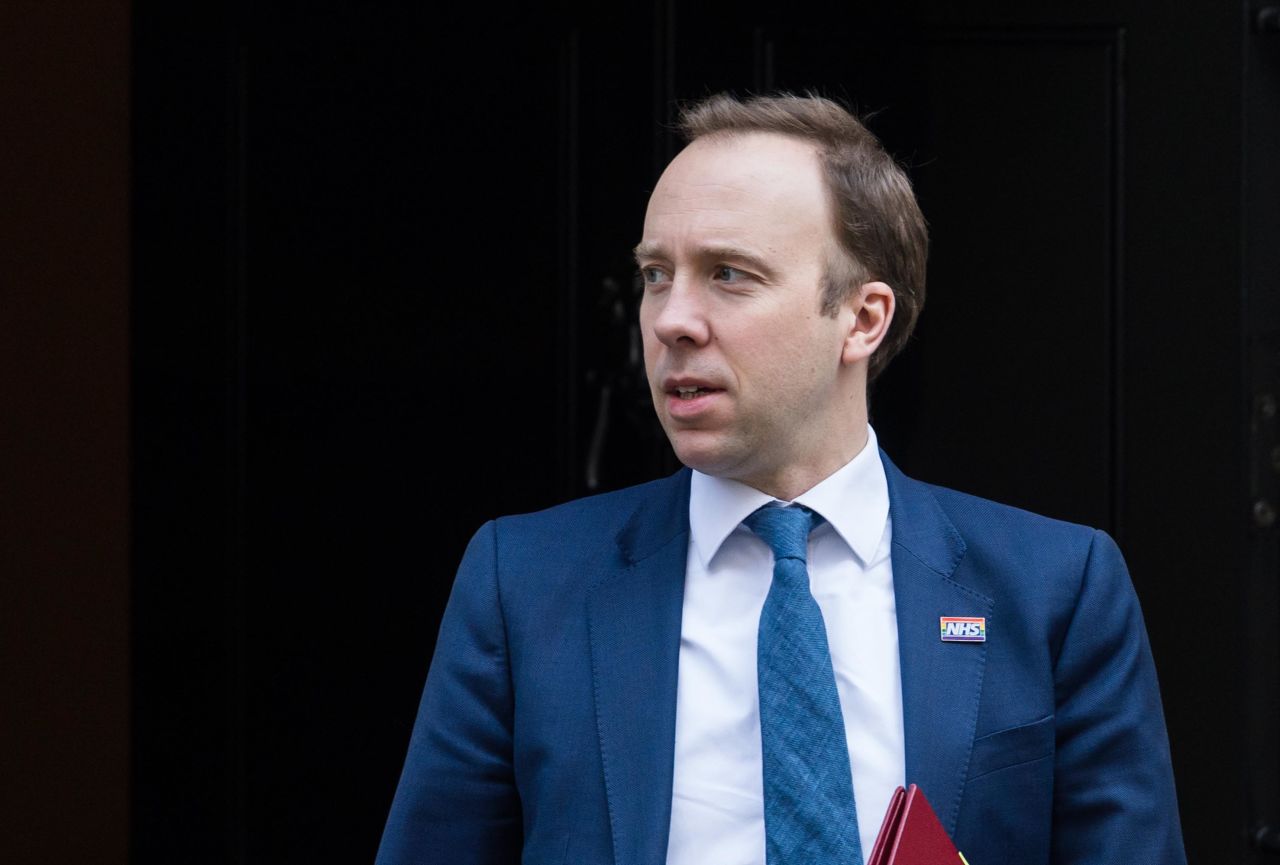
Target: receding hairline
817 147
841 265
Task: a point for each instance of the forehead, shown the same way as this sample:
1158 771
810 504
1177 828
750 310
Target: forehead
759 189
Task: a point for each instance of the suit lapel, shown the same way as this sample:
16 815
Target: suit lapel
941 682
634 615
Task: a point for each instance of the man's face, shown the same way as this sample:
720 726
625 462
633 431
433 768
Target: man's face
746 373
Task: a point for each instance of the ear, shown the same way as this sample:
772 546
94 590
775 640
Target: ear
869 311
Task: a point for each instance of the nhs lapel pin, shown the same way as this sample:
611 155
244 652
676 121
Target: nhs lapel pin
963 629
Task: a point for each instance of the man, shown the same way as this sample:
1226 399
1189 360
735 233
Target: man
680 672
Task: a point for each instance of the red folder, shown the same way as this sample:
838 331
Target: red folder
912 835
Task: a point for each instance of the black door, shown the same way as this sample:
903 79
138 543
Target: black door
383 292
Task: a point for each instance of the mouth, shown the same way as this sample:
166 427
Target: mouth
691 392
691 401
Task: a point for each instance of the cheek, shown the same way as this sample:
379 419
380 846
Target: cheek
645 322
794 363
648 341
792 353
652 349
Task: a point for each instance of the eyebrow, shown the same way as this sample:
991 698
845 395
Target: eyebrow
646 250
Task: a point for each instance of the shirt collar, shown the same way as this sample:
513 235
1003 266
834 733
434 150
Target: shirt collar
854 499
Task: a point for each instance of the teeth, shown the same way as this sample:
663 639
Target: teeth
688 392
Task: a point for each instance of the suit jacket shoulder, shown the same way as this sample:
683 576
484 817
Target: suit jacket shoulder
1032 566
578 541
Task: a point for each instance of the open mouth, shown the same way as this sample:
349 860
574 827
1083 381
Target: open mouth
693 392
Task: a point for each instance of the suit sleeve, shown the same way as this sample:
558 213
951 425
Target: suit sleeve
1114 797
457 801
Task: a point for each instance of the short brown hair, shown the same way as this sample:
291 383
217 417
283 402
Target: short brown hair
878 223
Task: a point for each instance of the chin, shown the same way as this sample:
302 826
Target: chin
703 452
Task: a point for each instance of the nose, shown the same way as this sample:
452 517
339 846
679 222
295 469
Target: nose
680 317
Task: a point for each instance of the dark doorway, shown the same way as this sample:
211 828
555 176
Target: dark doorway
383 292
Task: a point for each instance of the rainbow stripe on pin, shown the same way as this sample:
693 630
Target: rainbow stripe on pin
963 629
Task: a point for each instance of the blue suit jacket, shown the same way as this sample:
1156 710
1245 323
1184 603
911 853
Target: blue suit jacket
546 730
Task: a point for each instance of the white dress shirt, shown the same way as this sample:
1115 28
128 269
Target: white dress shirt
717 806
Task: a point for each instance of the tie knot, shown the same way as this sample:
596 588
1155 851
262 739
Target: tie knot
786 529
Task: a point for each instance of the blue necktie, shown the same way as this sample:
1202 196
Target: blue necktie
809 814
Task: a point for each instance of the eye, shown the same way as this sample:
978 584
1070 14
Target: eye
724 273
652 275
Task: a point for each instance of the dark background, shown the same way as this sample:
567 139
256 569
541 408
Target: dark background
295 296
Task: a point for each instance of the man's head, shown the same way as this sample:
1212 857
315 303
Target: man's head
776 248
